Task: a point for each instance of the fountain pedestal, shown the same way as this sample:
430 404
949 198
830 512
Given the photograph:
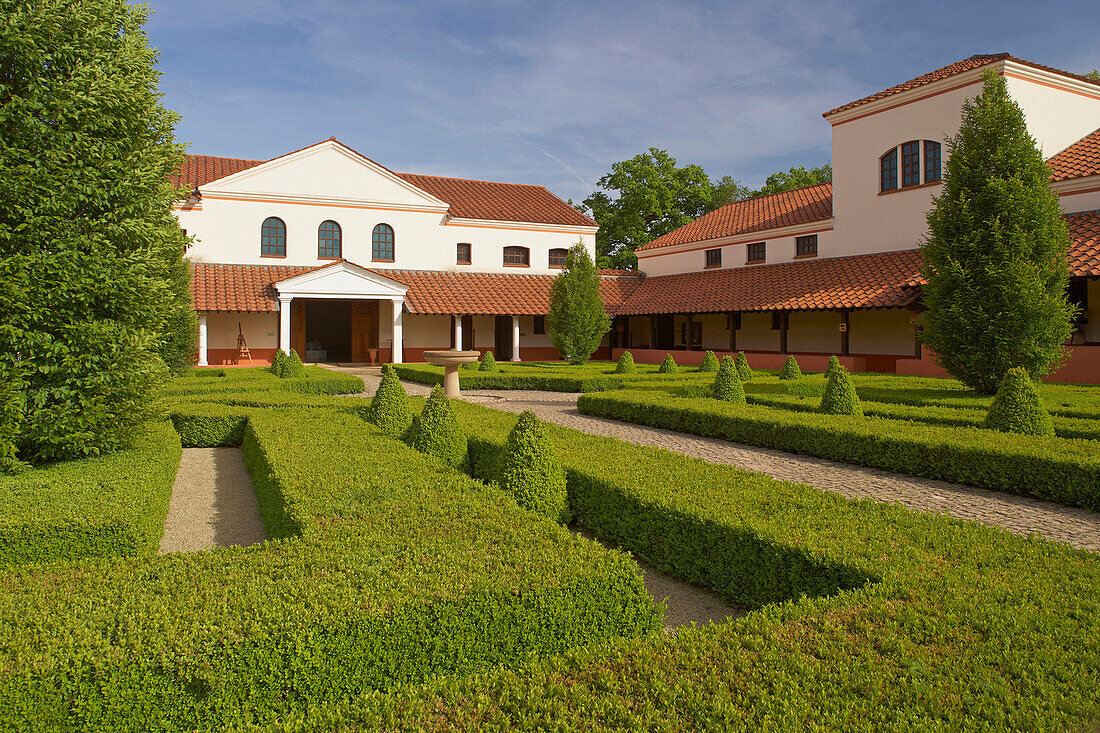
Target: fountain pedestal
450 360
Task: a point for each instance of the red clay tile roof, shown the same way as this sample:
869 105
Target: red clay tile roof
861 281
470 199
800 206
1084 248
251 288
198 170
950 70
1078 160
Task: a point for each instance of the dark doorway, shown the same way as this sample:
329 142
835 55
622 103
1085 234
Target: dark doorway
467 333
328 330
503 342
666 332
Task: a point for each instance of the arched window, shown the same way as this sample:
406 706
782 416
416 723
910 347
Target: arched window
273 237
382 243
557 257
931 161
910 164
517 257
888 168
328 240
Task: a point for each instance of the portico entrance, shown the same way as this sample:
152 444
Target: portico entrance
335 330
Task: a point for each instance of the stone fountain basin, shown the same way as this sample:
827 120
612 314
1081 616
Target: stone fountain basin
451 357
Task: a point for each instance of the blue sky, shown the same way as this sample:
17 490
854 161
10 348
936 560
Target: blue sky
553 93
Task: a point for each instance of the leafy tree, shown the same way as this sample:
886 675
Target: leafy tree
794 178
727 383
995 255
626 364
726 191
1094 75
1017 408
709 363
577 320
668 366
643 198
531 472
389 408
96 298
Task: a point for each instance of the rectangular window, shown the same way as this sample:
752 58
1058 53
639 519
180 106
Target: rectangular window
463 253
805 246
714 258
540 324
557 258
517 256
758 252
889 166
910 164
931 161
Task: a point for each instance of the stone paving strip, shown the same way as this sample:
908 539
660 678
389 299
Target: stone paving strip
1018 514
213 503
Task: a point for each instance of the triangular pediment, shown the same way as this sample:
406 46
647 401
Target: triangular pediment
327 171
340 280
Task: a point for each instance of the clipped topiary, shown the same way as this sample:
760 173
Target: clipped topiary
488 363
840 396
710 362
790 369
294 366
743 369
436 431
1017 408
727 383
531 472
278 363
626 364
834 364
389 409
668 366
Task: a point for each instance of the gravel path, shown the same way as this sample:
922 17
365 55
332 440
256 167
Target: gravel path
1018 514
213 503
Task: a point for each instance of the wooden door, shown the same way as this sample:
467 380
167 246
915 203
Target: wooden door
364 329
503 338
298 327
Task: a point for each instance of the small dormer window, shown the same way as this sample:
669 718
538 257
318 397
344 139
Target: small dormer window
714 258
888 166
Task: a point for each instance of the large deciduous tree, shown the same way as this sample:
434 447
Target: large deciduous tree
995 254
799 177
577 321
96 294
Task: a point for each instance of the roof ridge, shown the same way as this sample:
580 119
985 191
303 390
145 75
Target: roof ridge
471 180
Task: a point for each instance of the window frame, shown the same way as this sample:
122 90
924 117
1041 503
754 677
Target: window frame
749 248
550 258
338 239
469 253
280 243
932 145
377 239
712 258
805 239
891 157
514 249
910 163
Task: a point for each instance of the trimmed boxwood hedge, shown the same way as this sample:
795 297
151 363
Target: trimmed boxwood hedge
1054 469
110 505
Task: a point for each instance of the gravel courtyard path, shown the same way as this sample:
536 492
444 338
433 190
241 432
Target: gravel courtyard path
213 503
1017 514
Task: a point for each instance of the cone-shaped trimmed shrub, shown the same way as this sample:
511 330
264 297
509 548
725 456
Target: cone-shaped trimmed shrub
294 366
668 366
488 363
626 364
436 431
531 471
710 362
834 364
278 363
1017 408
389 409
727 384
840 396
790 369
743 369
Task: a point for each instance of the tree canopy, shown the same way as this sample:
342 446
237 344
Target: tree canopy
577 320
799 177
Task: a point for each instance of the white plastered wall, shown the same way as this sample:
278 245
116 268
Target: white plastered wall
780 248
426 331
1092 328
756 332
813 332
261 330
885 331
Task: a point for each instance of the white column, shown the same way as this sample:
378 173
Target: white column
458 333
395 352
284 325
515 338
202 340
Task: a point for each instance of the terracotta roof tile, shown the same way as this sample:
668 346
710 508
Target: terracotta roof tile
800 206
238 288
950 70
198 170
1078 160
861 281
470 199
1084 248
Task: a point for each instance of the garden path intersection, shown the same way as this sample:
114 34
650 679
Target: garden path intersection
1017 514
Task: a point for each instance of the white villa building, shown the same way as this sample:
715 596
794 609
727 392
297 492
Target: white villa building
326 251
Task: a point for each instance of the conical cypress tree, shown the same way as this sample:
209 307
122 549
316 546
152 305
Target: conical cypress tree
389 409
577 320
727 383
1017 408
710 362
790 369
840 396
436 431
488 363
626 364
995 255
743 369
531 471
668 366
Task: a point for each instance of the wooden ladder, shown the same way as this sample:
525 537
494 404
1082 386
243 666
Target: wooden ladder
242 348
